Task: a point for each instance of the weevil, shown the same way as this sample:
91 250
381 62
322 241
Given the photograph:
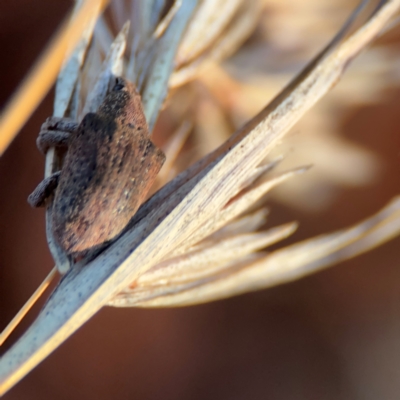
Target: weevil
108 170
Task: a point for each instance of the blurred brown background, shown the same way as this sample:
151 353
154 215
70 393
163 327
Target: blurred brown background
334 335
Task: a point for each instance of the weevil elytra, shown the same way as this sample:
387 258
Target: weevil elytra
110 165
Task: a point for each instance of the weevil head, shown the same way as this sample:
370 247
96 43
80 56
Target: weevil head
122 85
123 104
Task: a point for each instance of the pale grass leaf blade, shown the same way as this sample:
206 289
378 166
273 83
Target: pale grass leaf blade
69 73
165 22
148 296
103 34
248 223
237 206
112 66
208 260
206 26
284 265
118 12
236 33
157 77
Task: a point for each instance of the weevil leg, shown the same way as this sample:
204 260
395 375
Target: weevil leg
61 124
55 132
47 139
45 189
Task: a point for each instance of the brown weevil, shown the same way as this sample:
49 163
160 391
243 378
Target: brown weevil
109 167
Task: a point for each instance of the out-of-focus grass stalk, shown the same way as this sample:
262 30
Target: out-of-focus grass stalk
44 72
